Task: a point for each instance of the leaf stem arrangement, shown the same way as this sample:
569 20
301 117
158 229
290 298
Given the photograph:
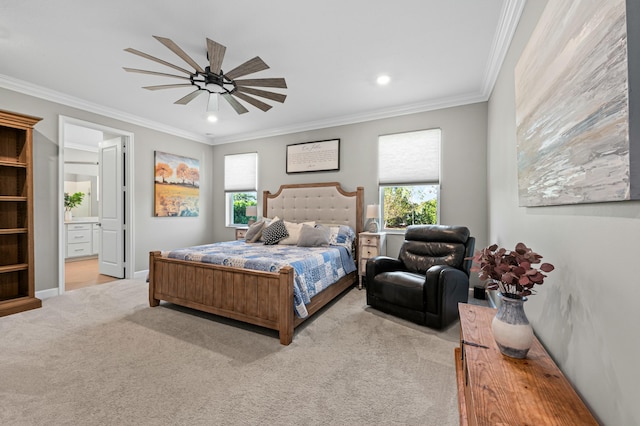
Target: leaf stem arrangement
72 200
510 271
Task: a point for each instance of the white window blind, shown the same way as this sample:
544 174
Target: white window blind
241 172
406 158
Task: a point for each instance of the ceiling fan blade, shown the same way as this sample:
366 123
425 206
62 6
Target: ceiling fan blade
181 53
252 65
215 51
240 109
263 82
191 96
154 73
160 61
279 97
253 101
167 86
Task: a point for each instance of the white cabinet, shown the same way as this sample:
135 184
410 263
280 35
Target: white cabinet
81 239
240 233
370 244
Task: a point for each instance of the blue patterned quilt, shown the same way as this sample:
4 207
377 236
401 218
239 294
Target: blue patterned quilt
315 268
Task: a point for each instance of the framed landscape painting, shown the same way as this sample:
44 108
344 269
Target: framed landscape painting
176 185
575 141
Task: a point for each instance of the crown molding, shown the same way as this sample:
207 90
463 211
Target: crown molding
430 105
71 101
509 19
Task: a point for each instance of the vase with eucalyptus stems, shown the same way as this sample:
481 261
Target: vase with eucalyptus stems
512 274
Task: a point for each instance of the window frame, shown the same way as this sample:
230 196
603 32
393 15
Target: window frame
401 180
381 188
238 184
229 206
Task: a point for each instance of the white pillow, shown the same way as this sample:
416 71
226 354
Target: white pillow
294 232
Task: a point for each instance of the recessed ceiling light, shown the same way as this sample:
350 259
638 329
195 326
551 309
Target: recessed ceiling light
383 80
212 118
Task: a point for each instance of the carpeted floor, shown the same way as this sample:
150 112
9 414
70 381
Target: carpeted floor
100 355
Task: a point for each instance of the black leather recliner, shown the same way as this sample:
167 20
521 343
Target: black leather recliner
429 278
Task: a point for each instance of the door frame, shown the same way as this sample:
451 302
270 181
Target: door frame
129 196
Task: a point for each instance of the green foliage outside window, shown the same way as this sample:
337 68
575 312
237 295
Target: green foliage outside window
240 202
410 205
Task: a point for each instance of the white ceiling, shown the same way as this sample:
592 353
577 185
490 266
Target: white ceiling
438 53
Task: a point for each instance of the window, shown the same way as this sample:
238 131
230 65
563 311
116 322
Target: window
240 186
409 178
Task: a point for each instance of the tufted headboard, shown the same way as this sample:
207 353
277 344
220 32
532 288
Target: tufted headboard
321 202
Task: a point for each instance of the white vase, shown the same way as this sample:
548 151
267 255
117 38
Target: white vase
68 216
511 329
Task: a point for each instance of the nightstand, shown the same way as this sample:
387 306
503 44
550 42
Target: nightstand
370 244
240 233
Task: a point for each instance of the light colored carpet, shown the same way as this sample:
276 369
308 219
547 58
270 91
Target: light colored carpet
102 356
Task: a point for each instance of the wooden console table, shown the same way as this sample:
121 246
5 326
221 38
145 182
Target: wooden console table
494 389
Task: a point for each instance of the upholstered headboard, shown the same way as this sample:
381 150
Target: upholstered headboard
321 202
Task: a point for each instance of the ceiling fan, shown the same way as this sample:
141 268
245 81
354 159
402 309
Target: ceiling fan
213 80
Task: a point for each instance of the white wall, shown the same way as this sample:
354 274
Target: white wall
586 313
463 197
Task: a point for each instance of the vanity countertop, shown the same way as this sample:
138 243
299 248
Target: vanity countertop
83 220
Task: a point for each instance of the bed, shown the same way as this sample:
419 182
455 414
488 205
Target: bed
258 297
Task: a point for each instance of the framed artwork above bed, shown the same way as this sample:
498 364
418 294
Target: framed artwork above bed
313 156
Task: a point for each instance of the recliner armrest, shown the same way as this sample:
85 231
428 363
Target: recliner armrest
444 283
379 264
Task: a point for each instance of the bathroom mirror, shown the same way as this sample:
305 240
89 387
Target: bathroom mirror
81 175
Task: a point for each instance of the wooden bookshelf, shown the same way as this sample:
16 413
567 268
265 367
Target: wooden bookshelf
17 289
496 389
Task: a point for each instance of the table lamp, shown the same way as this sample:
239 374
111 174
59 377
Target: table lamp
251 212
372 217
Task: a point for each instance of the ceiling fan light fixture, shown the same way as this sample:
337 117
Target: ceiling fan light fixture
213 80
212 107
383 80
212 103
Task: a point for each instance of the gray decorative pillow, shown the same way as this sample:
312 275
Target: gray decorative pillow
313 237
254 232
274 232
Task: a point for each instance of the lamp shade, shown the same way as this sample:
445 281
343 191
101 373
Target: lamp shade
252 211
372 211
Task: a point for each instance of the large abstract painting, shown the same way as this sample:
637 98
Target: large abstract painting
572 106
177 185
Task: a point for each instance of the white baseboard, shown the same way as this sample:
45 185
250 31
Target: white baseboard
141 275
53 292
45 294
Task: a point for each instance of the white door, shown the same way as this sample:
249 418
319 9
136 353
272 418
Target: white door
111 256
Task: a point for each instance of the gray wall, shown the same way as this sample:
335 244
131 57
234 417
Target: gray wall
463 174
586 314
463 197
150 233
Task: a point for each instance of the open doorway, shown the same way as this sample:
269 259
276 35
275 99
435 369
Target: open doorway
96 232
83 272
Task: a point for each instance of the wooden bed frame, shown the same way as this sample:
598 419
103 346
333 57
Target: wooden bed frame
261 298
